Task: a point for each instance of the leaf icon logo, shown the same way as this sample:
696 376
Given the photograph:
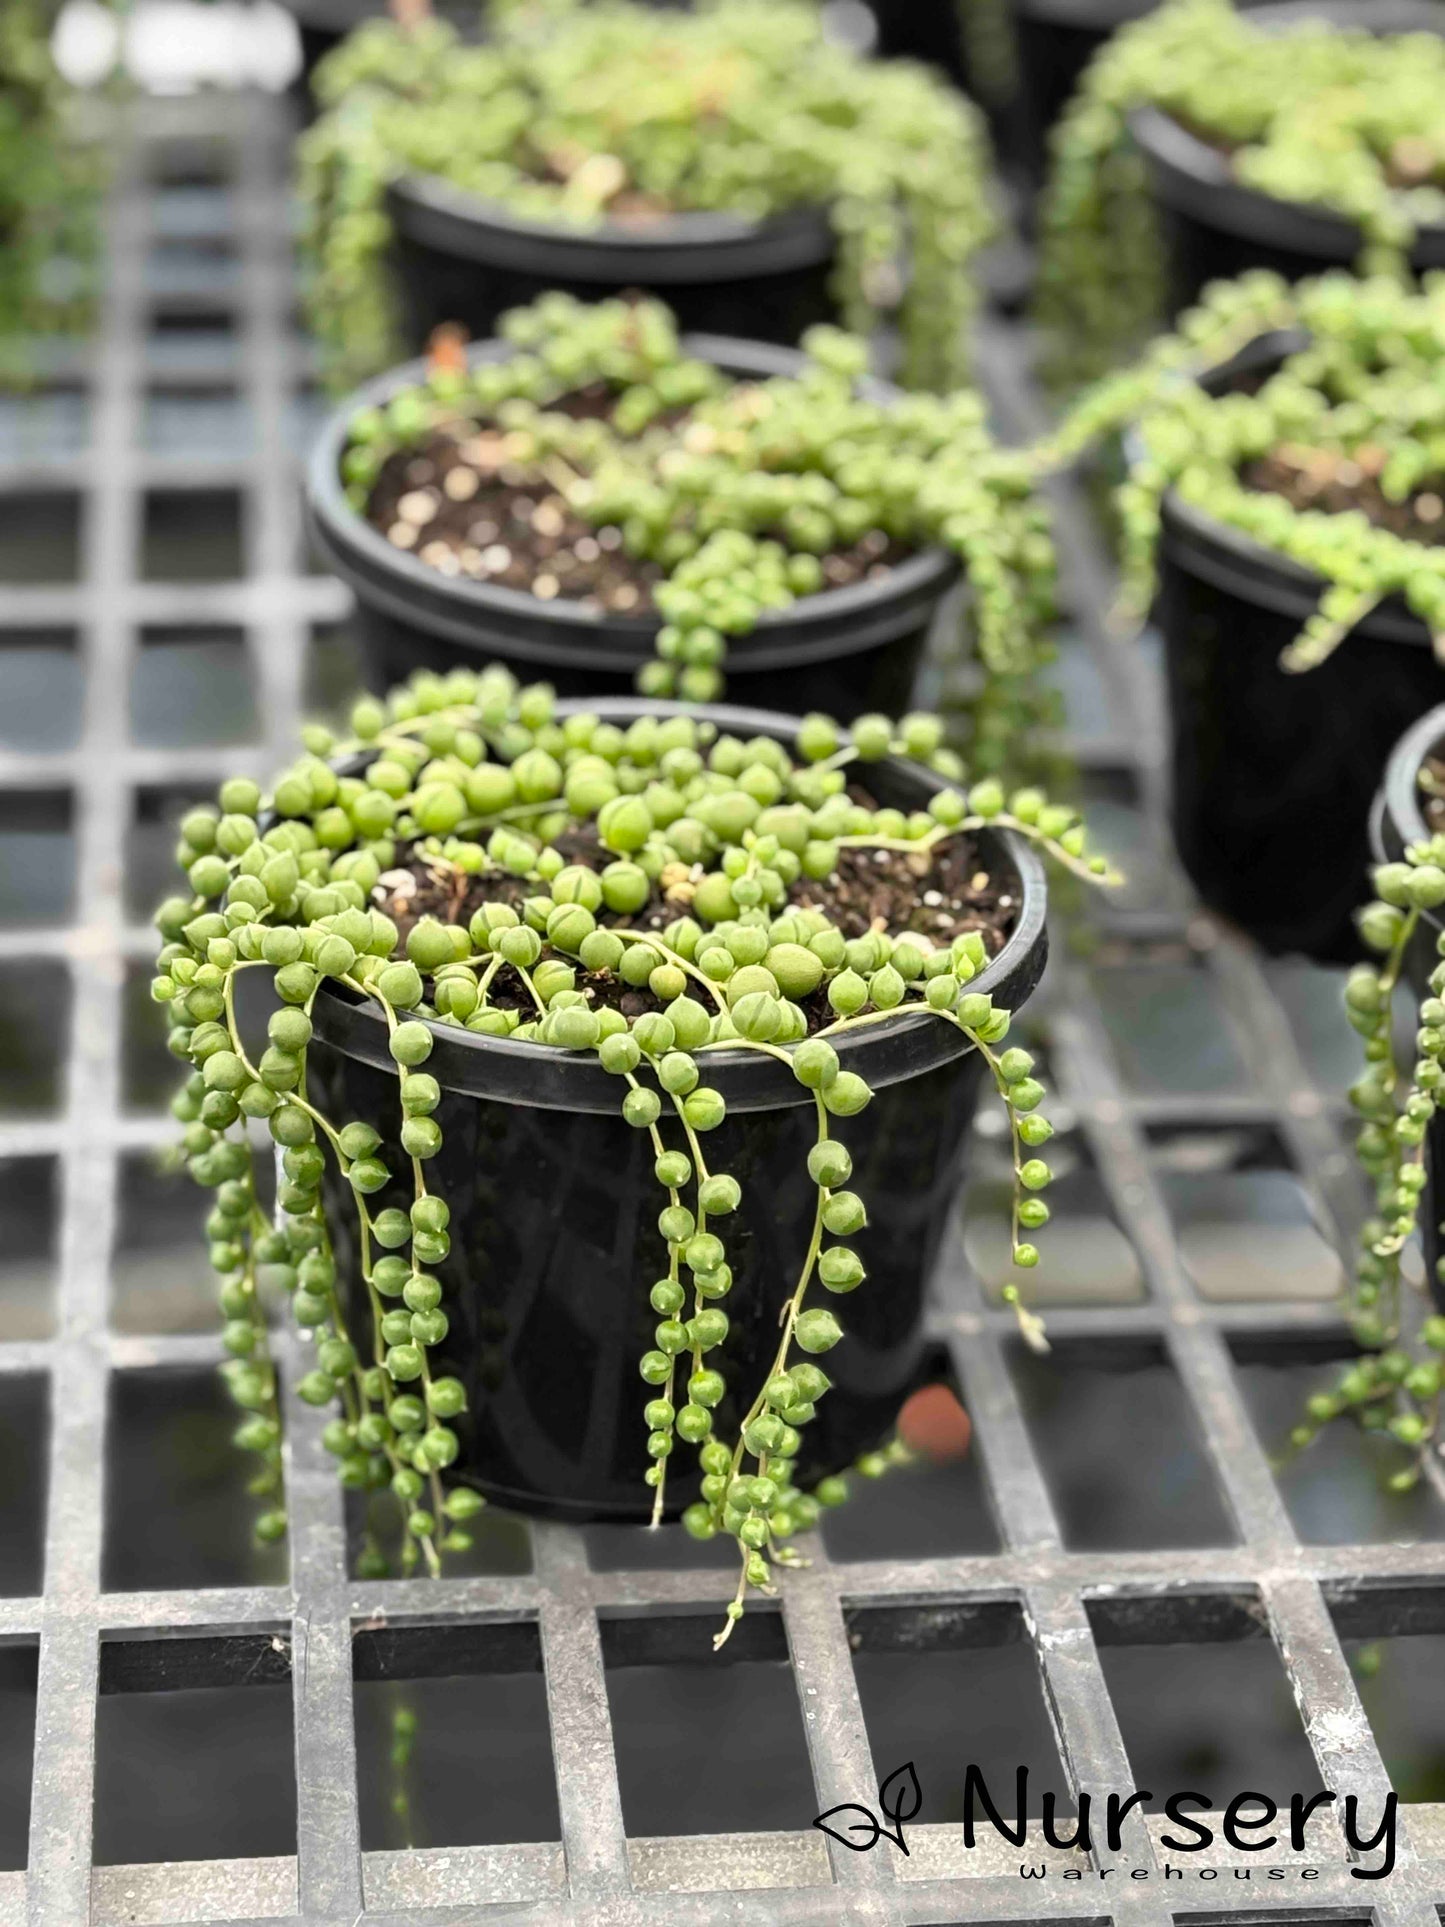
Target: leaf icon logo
900 1799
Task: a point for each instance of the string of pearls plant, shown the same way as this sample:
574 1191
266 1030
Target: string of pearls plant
1395 1385
1355 397
47 193
1314 113
743 499
703 837
618 111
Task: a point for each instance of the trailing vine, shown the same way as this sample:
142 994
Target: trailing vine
739 490
1326 116
1358 407
1395 1385
580 114
703 838
48 179
990 50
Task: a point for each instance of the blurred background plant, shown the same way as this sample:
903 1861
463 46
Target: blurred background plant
49 175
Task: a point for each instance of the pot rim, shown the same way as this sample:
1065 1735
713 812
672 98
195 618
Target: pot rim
464 604
1398 797
803 234
1238 563
542 1076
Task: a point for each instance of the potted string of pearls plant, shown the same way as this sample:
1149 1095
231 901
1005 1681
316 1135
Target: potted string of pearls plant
1394 1386
593 500
613 1047
732 159
1283 508
48 177
1204 142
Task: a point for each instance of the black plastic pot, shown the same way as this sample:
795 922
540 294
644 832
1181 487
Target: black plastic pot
554 1210
846 651
1396 821
1214 228
1273 772
456 258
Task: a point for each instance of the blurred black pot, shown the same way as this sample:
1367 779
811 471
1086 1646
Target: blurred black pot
459 259
1273 772
845 651
1214 228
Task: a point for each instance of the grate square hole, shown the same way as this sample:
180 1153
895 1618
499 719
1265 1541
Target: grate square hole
37 857
1167 1023
191 268
149 1075
950 1686
43 424
1214 1716
192 686
40 537
480 1771
192 211
1088 1258
1246 1226
160 1281
1335 1490
667 1688
34 1036
24 1423
44 685
189 161
1121 826
1401 1683
194 420
191 535
1313 1000
193 345
937 1507
194 1746
29 1212
150 846
177 1512
1078 675
19 1667
1087 1406
306 414
335 669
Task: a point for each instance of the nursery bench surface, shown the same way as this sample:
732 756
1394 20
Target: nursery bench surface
160 623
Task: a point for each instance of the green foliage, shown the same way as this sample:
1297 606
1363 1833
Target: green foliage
47 192
576 115
740 502
284 883
1326 116
1395 1386
1366 384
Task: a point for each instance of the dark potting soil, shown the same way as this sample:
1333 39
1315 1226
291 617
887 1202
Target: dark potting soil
938 894
1326 479
467 507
